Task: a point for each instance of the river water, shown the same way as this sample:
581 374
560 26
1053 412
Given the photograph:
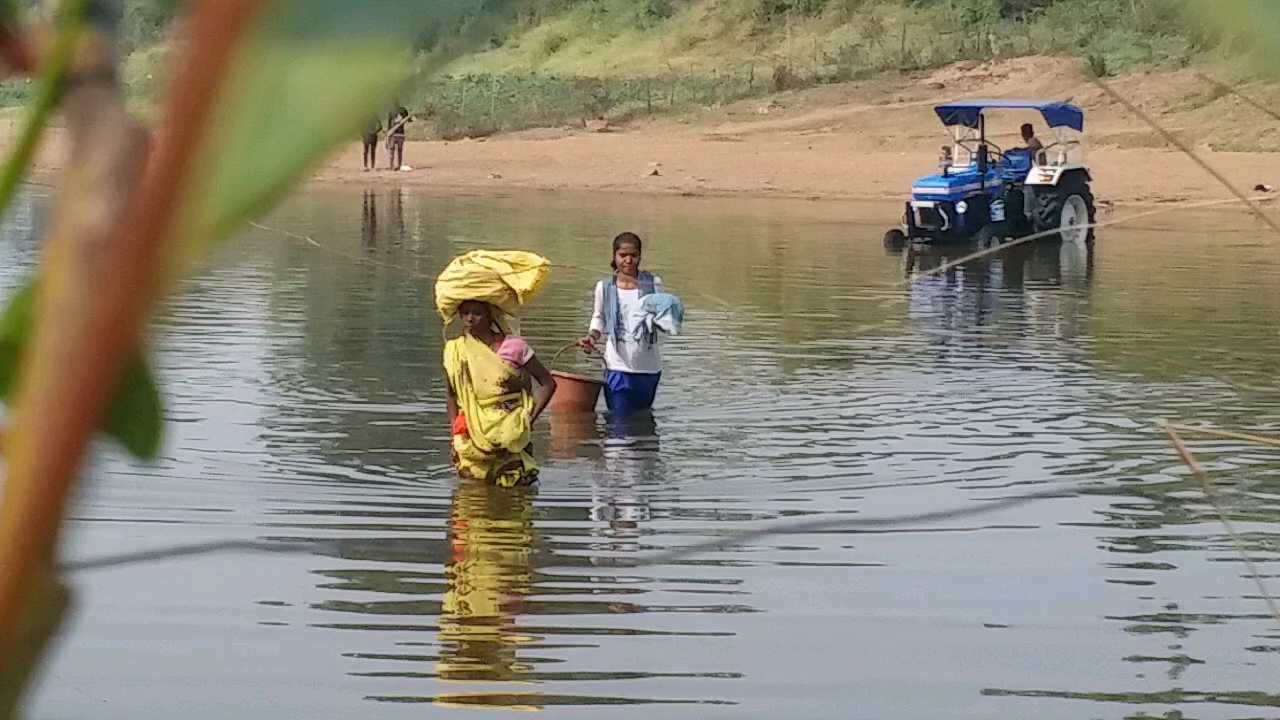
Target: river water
305 404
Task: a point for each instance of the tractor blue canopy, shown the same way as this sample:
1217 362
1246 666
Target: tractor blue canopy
1057 114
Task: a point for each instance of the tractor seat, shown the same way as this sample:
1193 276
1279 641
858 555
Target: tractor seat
1017 159
1016 162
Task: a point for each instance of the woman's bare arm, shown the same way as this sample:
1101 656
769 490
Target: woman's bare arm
546 386
451 400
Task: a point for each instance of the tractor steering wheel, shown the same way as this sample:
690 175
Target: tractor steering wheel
994 157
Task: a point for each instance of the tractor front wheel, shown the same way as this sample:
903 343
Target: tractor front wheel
895 241
1067 208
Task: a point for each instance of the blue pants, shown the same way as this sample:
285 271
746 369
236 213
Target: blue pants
629 393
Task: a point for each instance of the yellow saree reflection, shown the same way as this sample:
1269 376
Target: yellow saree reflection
488 576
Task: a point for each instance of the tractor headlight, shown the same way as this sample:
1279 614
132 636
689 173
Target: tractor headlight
962 207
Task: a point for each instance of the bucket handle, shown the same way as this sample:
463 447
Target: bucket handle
555 358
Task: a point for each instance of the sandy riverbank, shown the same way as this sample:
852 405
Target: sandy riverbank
856 141
867 140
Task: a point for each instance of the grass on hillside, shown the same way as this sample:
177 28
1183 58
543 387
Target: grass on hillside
821 39
611 58
540 63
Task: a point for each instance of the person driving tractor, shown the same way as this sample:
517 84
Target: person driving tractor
1034 148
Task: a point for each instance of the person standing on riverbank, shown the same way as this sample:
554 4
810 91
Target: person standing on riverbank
371 133
395 137
626 307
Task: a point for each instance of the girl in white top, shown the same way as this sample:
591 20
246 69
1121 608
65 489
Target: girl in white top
633 361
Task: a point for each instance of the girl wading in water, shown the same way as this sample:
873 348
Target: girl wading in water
631 307
492 404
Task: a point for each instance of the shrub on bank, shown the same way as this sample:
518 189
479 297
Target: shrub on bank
483 104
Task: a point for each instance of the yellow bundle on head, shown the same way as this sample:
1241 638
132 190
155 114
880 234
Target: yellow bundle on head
505 279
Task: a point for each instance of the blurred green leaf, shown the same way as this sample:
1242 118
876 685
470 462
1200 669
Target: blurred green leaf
135 416
310 76
15 330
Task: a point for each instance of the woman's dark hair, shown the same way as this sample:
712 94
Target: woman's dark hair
626 238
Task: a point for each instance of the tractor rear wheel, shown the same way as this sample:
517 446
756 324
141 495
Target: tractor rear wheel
1067 208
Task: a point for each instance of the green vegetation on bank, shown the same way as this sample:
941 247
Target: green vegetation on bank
489 66
528 63
813 39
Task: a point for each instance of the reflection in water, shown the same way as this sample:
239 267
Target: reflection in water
387 227
307 404
488 576
369 219
397 215
1035 288
631 453
1176 696
573 434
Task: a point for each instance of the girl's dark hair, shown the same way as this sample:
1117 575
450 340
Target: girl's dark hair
626 238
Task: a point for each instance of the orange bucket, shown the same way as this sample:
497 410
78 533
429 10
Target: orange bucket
574 393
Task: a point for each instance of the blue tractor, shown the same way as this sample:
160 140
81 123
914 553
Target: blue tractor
983 192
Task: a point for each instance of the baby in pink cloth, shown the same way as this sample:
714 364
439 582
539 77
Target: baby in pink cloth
515 352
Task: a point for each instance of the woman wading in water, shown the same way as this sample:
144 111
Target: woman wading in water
492 404
630 306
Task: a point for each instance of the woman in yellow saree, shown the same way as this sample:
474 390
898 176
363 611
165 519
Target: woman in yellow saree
492 403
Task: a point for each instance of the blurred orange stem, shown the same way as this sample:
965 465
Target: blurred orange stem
63 394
